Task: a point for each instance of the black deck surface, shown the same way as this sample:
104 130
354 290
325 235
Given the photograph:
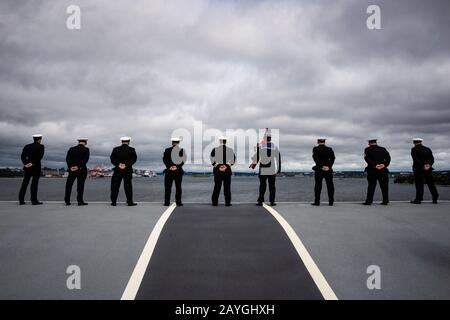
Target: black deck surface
238 252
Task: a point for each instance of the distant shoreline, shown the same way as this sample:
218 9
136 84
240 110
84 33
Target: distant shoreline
441 177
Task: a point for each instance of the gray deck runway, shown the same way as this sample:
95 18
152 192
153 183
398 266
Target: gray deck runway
206 252
38 243
238 252
410 244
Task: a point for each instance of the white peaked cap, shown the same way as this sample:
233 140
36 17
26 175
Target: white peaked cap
82 139
37 135
125 139
176 139
418 139
372 139
222 138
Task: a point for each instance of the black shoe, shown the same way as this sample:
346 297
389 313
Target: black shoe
367 204
83 203
180 204
132 204
22 203
214 204
415 202
166 204
227 204
435 201
315 204
113 204
259 204
273 204
331 203
36 203
384 203
68 203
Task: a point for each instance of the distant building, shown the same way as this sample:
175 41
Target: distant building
99 171
53 173
149 173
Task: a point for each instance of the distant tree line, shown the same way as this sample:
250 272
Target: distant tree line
9 173
440 177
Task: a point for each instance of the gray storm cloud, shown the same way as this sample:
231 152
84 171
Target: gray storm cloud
146 68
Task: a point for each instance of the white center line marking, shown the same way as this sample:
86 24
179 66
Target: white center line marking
141 266
319 279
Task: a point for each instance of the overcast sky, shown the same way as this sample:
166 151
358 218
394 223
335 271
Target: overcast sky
145 68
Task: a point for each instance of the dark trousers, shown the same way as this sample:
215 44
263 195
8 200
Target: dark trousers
319 175
383 180
169 178
80 176
220 178
263 186
419 177
116 180
34 176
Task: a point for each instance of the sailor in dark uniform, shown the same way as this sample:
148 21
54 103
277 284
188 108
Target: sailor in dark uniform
378 160
269 159
31 157
324 158
77 159
222 158
174 159
423 161
123 157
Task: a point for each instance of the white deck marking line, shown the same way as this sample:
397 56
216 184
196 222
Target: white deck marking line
141 266
319 279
